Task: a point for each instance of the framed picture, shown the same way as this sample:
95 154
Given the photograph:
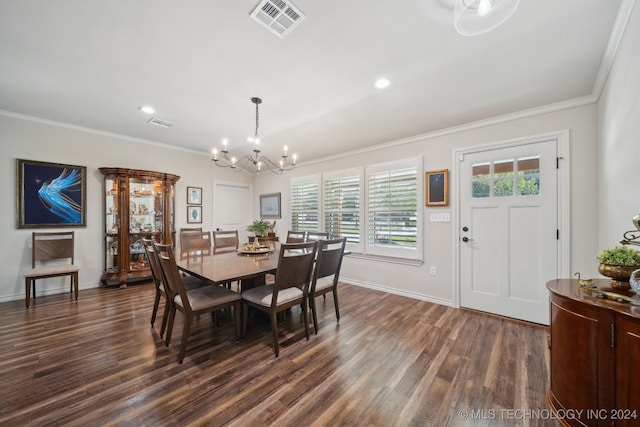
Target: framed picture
50 195
270 205
194 214
437 188
194 195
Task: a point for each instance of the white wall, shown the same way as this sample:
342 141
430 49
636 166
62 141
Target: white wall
619 149
439 238
31 140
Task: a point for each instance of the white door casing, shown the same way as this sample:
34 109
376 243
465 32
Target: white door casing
510 244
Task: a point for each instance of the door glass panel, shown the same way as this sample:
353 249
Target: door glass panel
480 180
529 175
503 178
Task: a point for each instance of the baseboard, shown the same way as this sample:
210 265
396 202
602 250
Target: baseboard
395 291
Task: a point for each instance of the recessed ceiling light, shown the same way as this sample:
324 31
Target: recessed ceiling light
382 83
147 109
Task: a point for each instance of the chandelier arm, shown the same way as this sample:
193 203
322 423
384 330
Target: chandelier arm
272 165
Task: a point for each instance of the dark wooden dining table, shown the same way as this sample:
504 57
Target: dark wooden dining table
219 267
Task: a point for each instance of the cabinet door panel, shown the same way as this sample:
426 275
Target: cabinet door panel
581 357
627 365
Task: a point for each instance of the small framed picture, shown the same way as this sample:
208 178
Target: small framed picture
194 214
437 188
270 205
194 195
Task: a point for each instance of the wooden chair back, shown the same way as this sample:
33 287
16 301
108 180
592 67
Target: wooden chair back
296 236
226 239
52 246
317 235
186 230
195 241
171 274
329 259
295 267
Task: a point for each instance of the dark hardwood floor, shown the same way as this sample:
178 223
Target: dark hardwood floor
392 361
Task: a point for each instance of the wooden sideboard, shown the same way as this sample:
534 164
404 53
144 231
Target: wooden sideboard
595 350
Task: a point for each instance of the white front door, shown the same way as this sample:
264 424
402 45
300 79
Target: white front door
508 229
233 209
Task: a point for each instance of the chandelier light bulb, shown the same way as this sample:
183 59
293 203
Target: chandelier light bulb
215 154
285 150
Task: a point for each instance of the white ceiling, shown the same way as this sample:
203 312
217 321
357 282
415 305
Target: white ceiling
93 63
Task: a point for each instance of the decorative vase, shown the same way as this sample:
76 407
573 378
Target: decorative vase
634 280
619 274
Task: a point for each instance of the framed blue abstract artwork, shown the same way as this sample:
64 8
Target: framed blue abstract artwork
50 195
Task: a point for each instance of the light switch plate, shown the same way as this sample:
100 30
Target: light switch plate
440 217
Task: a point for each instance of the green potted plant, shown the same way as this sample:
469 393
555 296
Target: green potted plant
259 227
618 263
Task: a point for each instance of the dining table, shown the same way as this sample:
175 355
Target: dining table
230 265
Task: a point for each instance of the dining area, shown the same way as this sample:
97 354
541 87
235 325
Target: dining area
243 283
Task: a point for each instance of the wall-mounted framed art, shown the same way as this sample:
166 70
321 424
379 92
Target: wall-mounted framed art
194 214
194 195
270 205
436 188
50 195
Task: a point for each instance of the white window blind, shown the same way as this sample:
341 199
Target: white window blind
305 203
342 206
393 214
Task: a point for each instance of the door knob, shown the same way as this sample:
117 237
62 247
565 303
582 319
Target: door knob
465 239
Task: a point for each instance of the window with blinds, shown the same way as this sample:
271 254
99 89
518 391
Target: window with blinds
393 214
341 195
305 204
377 207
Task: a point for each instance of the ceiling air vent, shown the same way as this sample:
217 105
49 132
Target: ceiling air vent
159 122
279 16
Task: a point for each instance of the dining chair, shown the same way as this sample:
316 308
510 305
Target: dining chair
189 282
193 302
296 236
185 230
225 239
291 286
48 252
194 241
326 274
317 235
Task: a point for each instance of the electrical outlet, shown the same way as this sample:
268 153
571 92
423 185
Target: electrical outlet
432 270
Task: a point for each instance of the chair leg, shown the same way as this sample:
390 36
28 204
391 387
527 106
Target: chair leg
156 303
245 317
172 316
305 313
33 286
185 336
27 291
335 303
312 304
274 331
237 320
75 284
165 317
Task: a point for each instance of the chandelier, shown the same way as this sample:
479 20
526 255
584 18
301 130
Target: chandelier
253 162
475 17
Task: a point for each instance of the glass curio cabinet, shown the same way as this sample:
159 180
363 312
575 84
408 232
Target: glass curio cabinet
138 204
